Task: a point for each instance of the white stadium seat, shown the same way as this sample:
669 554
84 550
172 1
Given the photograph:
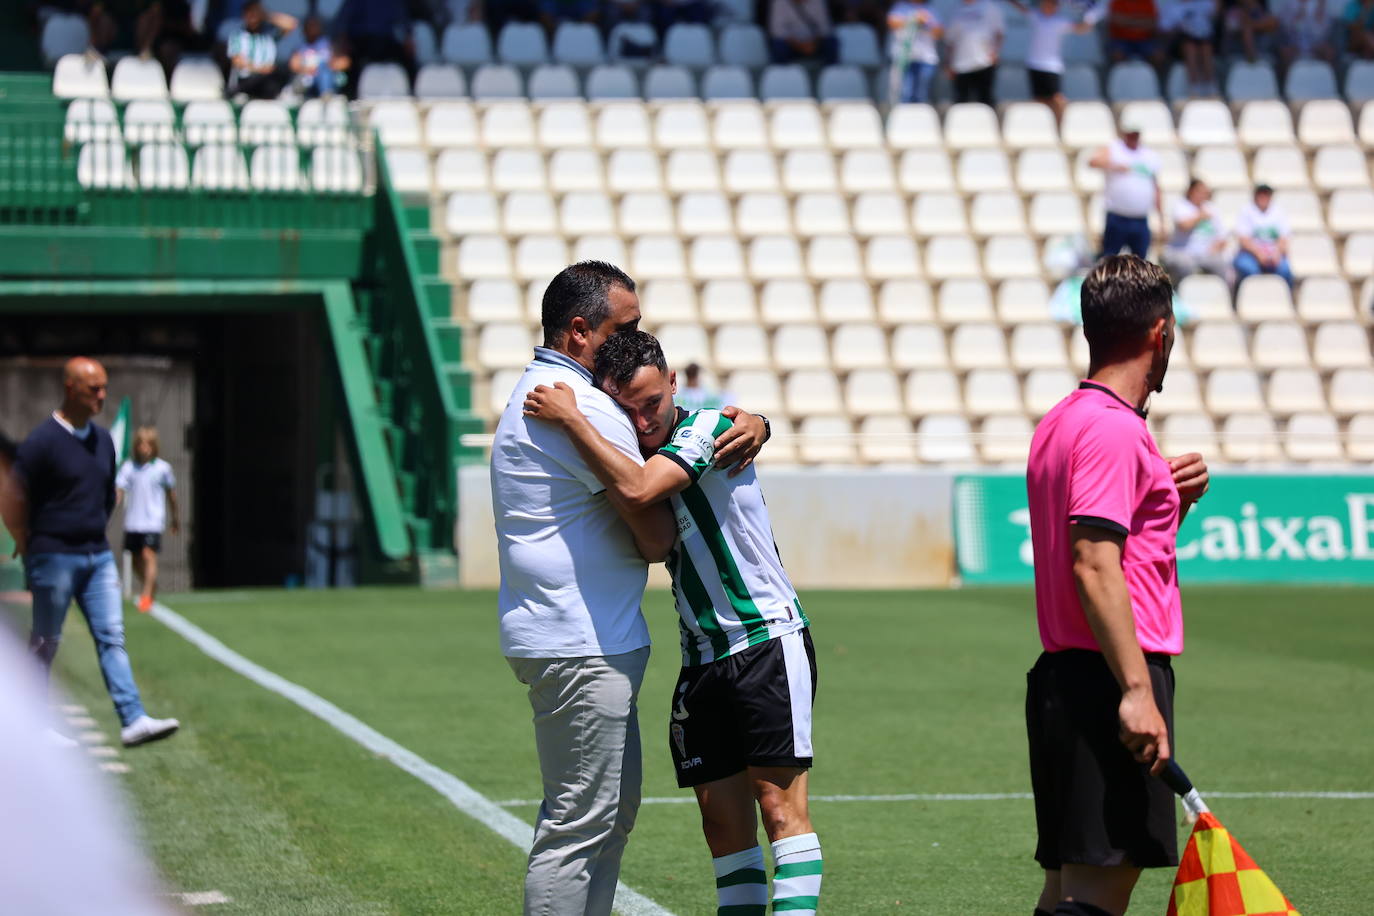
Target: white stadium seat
646 213
1313 437
138 78
1263 122
383 81
276 168
78 76
468 45
933 391
919 346
440 81
1293 390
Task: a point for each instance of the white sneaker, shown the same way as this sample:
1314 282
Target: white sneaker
56 739
145 729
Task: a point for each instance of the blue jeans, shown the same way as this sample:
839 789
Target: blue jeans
55 579
1247 265
1126 232
916 82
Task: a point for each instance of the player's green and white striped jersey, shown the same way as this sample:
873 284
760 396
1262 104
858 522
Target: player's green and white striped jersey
728 580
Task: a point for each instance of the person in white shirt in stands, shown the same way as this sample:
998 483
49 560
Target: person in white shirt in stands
1262 230
1044 55
574 564
147 488
1132 190
1198 243
974 37
915 28
801 30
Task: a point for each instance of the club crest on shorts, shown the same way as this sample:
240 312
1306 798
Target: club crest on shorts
679 738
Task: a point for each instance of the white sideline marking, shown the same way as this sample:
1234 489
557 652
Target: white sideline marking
114 766
464 797
91 737
82 722
202 898
72 709
102 750
970 797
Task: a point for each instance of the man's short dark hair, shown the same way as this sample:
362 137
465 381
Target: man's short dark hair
1122 298
7 447
626 352
581 290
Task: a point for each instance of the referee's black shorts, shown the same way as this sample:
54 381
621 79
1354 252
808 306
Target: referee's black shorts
1094 804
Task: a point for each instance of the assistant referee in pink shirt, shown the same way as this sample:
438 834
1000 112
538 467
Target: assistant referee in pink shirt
1105 507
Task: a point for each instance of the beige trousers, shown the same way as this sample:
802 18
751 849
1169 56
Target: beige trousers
586 730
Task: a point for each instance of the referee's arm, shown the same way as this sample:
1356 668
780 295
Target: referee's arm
1107 604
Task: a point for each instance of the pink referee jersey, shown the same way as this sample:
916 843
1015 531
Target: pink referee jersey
1094 462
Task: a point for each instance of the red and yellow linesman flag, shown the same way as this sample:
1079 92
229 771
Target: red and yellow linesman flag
1216 877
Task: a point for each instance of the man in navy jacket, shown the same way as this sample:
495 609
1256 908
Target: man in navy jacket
59 503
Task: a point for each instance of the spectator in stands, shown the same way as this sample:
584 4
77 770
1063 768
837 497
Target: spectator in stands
1304 32
915 29
801 30
252 52
1133 31
1132 190
374 31
667 13
1262 230
872 13
553 12
1049 23
1195 22
1251 26
1359 23
1198 243
162 29
319 69
694 395
974 38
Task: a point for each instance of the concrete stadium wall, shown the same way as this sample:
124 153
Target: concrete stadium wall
823 520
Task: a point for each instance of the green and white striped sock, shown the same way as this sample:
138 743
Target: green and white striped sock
741 883
797 868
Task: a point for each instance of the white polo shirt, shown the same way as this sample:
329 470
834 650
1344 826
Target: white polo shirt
571 578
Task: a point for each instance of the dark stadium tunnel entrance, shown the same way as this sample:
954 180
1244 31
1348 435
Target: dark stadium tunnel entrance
246 405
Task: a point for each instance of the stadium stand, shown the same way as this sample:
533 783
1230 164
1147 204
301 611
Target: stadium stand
891 270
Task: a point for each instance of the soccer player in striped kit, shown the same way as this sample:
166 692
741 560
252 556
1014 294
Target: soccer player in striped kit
740 726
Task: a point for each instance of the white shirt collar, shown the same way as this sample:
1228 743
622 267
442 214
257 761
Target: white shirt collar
62 421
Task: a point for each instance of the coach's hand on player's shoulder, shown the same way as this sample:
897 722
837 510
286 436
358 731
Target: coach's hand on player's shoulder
740 444
1142 728
1190 476
556 405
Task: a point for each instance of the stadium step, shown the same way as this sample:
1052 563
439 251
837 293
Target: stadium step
427 250
417 217
450 336
438 297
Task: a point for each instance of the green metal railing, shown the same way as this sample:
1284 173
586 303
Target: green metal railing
417 351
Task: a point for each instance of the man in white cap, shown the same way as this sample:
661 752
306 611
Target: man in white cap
1132 190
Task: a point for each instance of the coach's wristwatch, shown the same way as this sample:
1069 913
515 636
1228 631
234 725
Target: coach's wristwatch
767 427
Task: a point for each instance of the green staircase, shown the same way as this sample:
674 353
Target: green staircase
424 392
369 262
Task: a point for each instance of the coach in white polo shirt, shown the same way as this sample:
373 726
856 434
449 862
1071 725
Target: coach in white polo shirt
573 570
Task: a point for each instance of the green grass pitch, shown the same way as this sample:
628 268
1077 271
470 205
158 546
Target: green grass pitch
919 692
